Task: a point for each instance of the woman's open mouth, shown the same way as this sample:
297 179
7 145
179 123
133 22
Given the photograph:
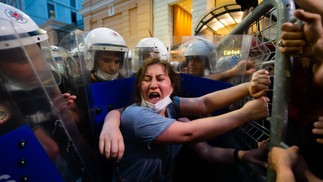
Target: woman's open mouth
154 97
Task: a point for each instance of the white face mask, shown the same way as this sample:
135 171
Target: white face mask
159 106
105 76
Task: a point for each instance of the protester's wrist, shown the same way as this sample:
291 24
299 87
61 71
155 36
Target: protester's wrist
238 155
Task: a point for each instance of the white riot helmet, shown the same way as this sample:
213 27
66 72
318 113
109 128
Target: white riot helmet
203 50
18 33
100 40
153 45
78 50
148 47
15 22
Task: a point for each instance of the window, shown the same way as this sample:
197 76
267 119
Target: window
72 3
51 9
73 16
182 23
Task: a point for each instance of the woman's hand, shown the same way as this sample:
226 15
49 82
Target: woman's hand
111 144
256 109
259 84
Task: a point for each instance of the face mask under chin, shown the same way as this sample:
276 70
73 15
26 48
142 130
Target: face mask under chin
105 76
159 106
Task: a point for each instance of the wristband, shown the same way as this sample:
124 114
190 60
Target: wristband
235 155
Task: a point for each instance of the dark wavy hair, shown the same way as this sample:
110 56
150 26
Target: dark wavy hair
174 77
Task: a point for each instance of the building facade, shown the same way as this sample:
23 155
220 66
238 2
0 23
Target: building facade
135 19
57 17
168 20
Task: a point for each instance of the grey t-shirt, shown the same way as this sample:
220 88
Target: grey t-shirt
143 160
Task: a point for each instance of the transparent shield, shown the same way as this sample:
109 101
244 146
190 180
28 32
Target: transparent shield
29 86
129 63
223 58
78 78
139 55
233 58
73 43
48 55
75 67
60 55
18 72
176 55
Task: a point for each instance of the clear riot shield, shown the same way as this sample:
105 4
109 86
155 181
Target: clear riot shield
176 56
233 58
204 57
75 67
130 69
35 117
139 54
59 56
230 51
77 81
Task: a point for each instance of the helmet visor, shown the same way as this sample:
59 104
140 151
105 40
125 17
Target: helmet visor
140 54
23 63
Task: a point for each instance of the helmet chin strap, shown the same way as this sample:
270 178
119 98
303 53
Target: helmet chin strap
105 76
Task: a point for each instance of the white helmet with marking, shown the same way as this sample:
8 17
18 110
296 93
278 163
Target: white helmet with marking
18 29
104 39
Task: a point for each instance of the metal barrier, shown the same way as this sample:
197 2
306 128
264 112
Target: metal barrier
264 23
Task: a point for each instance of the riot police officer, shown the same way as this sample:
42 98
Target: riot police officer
200 56
31 90
106 54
